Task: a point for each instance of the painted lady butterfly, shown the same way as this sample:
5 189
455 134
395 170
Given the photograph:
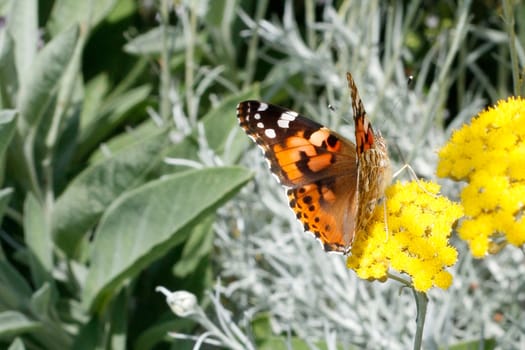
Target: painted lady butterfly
333 184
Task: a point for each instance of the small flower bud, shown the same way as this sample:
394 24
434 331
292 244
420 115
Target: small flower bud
182 303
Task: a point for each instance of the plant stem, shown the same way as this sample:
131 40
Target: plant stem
252 55
165 79
421 302
421 305
508 17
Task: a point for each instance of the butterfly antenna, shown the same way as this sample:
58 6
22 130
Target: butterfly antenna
406 166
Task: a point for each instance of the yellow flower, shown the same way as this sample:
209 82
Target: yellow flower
489 154
415 239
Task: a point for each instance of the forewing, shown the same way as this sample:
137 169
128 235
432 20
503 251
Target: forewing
318 165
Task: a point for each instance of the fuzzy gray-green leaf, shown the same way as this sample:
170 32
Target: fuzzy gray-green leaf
14 323
38 88
23 26
140 226
38 240
83 202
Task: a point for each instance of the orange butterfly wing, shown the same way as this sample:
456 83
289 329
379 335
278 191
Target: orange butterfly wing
373 170
317 165
333 184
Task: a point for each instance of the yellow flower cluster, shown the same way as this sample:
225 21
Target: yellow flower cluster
490 155
415 239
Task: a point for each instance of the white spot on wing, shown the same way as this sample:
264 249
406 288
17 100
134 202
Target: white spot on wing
257 116
270 133
260 125
262 107
289 115
283 123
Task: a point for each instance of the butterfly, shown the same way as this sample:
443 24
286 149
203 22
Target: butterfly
333 185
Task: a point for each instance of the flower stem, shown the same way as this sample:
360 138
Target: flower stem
421 303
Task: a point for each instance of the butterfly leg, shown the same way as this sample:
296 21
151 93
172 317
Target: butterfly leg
385 214
413 175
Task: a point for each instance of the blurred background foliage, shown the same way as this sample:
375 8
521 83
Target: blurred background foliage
119 153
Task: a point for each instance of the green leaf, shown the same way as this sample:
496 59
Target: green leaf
95 91
112 116
90 193
17 344
150 43
8 73
67 13
222 128
23 27
266 340
157 332
14 290
145 130
7 128
5 196
221 132
125 8
41 301
198 245
141 225
38 89
119 321
38 240
88 335
13 323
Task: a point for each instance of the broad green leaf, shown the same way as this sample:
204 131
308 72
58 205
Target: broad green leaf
8 75
221 132
17 344
140 226
100 102
38 240
198 245
88 337
41 301
143 131
95 91
150 43
67 13
124 8
7 128
38 89
112 116
119 320
69 93
23 26
14 290
90 193
222 128
267 340
5 196
156 333
13 323
112 111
